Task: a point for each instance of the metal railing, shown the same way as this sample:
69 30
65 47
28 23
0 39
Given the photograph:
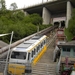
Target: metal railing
3 51
2 65
58 66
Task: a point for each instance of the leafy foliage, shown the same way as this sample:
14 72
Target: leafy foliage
72 23
13 6
68 34
34 19
2 5
19 23
71 26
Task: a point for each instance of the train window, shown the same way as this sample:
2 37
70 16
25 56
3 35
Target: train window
19 55
44 42
74 52
28 56
13 55
32 53
41 45
38 48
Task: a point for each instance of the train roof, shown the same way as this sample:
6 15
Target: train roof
29 44
73 73
69 44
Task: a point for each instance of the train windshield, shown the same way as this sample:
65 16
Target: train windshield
18 55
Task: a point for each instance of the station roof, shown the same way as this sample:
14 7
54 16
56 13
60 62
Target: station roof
69 44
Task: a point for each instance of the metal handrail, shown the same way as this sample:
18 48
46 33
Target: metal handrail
42 32
58 65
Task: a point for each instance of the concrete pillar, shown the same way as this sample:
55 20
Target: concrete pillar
69 12
26 13
46 16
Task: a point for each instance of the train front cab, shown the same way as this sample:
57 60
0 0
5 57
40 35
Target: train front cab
19 66
16 69
17 63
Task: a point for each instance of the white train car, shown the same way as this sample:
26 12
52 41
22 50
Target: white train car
73 73
26 54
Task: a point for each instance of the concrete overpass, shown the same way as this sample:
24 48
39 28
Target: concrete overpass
53 12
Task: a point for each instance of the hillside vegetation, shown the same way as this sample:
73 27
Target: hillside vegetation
16 21
19 23
70 31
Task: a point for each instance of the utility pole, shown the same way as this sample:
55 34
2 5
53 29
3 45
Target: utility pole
8 55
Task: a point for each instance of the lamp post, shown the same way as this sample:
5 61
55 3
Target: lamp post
8 55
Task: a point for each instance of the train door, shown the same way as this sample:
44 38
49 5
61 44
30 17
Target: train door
29 56
32 55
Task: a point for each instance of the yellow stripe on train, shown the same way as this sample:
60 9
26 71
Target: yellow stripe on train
16 69
39 55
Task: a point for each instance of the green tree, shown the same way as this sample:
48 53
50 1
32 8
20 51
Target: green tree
17 22
2 5
13 6
71 26
34 19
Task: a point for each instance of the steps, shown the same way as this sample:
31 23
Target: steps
43 69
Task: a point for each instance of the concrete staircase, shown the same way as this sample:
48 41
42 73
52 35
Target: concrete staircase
43 69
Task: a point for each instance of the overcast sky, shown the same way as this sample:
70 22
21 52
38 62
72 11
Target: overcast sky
23 3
